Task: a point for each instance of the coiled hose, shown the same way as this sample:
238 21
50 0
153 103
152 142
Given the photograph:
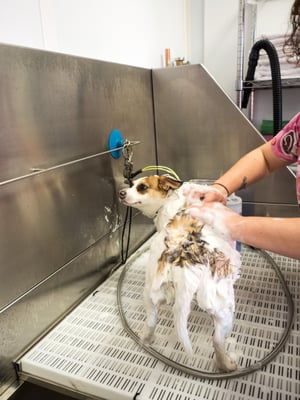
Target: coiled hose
215 375
276 79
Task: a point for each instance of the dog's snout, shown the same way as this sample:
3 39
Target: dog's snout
122 194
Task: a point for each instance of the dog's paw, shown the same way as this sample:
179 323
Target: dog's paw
226 363
189 352
170 295
188 349
147 338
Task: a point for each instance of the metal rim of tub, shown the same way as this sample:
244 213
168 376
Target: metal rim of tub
215 375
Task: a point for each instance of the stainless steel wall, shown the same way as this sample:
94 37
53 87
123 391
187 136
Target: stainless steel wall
60 230
201 133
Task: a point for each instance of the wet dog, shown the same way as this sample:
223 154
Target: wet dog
188 260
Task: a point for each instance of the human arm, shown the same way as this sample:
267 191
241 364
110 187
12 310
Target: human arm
252 167
280 152
280 235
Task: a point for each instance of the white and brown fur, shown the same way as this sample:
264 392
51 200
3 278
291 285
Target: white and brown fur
187 260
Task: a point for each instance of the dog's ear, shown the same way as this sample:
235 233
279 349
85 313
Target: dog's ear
166 182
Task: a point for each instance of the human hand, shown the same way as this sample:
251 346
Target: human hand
205 193
221 219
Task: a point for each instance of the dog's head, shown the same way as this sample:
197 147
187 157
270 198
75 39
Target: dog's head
149 193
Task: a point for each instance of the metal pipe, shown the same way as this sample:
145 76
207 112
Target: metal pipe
38 171
240 55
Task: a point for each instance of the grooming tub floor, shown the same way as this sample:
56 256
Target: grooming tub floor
90 353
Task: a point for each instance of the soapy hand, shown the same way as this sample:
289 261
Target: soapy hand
222 220
205 193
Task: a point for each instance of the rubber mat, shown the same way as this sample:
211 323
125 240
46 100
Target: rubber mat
89 351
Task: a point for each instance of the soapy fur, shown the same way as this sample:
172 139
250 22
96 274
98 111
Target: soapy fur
188 259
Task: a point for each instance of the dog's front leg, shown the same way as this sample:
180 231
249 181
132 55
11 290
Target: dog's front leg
223 327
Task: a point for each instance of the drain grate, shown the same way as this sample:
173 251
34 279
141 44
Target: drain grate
89 351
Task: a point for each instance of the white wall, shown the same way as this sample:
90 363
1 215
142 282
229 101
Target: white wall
20 23
136 32
220 42
221 34
273 16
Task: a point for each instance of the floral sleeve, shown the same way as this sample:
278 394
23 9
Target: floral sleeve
287 142
286 145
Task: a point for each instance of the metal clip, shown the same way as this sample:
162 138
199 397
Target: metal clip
128 164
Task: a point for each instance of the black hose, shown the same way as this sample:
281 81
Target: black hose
125 251
276 79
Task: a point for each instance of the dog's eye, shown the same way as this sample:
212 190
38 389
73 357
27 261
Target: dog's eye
142 187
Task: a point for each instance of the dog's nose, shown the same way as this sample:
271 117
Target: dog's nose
122 194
